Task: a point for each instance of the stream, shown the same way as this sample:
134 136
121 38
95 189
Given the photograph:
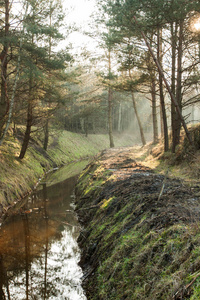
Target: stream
39 253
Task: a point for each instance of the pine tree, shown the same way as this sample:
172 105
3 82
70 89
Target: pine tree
39 61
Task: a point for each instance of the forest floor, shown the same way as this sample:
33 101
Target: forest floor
141 236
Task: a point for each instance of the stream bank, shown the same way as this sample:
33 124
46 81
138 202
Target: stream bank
19 177
141 237
39 253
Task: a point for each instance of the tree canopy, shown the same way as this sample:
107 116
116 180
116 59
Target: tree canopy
150 58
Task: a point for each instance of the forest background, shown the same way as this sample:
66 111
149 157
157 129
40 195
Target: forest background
141 75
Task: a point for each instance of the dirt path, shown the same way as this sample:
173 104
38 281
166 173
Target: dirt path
140 230
169 200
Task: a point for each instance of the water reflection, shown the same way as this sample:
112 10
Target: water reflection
38 249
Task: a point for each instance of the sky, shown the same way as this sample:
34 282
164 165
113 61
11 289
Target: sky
78 13
81 10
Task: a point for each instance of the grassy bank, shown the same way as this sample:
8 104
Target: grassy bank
137 242
18 177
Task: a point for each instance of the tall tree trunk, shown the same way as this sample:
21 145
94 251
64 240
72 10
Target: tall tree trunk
173 99
110 96
138 120
154 110
110 131
177 121
151 70
162 99
137 115
10 109
28 131
173 82
4 101
29 119
119 125
161 123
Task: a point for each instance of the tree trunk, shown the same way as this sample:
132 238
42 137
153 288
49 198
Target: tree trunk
4 102
162 99
119 125
110 131
137 115
154 110
27 132
161 123
153 95
11 106
138 120
10 112
173 81
29 119
173 99
110 94
176 120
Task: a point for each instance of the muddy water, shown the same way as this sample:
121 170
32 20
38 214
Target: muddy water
38 250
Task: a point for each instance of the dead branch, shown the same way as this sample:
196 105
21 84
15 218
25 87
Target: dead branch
163 185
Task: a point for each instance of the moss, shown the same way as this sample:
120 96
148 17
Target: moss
133 258
126 271
107 202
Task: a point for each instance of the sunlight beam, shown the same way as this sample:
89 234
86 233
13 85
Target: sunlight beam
196 25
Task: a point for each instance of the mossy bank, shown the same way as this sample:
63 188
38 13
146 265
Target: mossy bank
140 237
18 177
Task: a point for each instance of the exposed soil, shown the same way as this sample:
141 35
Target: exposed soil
141 235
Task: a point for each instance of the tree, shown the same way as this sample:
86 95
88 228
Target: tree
39 61
133 97
150 16
110 99
153 83
173 10
161 90
11 101
4 101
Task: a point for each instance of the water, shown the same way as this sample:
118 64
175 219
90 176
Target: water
39 254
